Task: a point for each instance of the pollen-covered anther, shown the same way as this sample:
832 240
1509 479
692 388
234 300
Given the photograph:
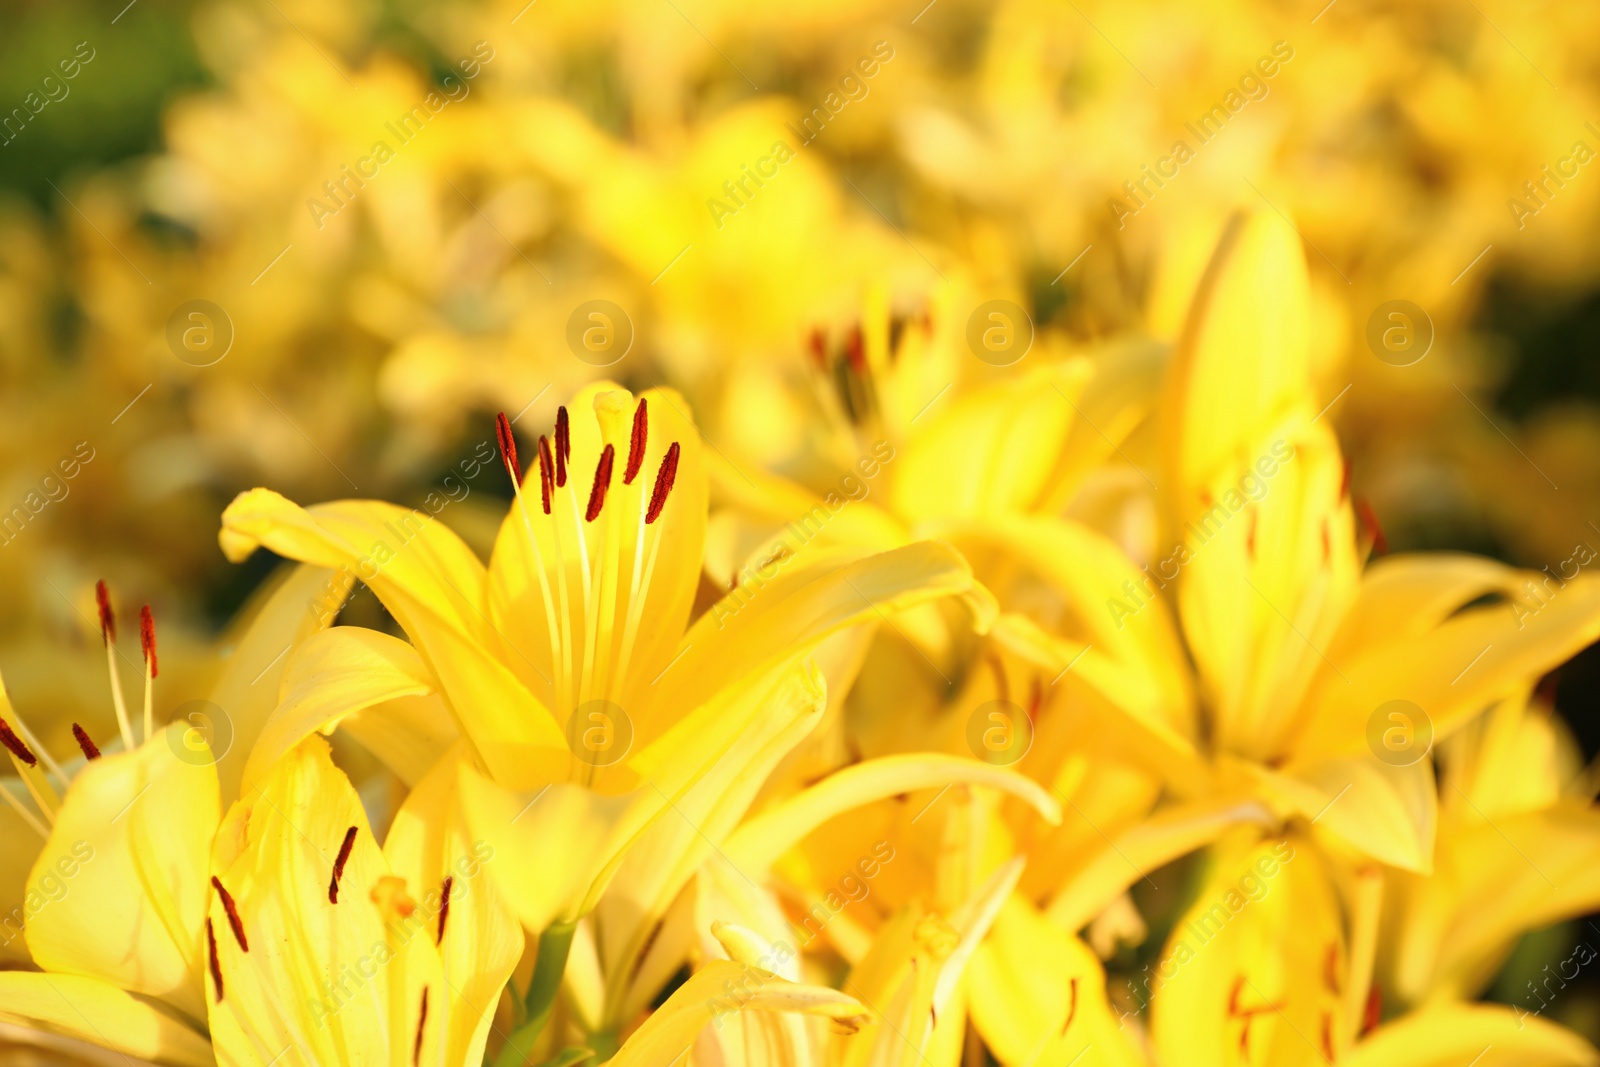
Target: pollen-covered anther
216 964
602 482
1072 1007
1369 522
15 746
665 477
547 474
1374 1011
563 446
508 446
641 436
444 907
338 864
108 619
855 349
85 742
818 346
422 1021
147 638
233 913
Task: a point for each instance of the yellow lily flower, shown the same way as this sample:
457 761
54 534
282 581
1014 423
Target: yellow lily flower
118 894
324 948
1262 968
739 1010
1298 651
1518 840
586 700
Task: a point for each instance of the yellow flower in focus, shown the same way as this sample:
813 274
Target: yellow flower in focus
324 948
588 703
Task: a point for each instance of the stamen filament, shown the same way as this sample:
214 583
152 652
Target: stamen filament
33 743
147 640
108 635
533 541
27 816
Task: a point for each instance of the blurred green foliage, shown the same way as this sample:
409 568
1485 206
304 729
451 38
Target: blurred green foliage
113 108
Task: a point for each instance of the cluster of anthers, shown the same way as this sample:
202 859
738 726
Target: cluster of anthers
34 762
606 569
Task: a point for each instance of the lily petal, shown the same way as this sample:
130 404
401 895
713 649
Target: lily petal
326 959
478 938
671 1029
102 1014
342 672
761 840
1038 995
131 846
435 588
1458 1033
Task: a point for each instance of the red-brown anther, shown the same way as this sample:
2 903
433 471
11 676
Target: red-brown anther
14 744
1374 1013
508 447
422 1020
819 347
855 350
1330 969
1327 1036
602 482
147 638
563 446
338 864
108 621
85 742
444 907
216 964
1344 481
233 913
664 479
1369 521
1072 1007
547 476
641 434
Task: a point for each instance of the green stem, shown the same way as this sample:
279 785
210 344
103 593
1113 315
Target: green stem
549 966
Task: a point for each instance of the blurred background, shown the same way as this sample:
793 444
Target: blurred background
316 244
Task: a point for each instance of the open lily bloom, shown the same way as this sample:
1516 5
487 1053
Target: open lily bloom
1264 968
1518 845
323 948
117 895
587 701
1298 649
